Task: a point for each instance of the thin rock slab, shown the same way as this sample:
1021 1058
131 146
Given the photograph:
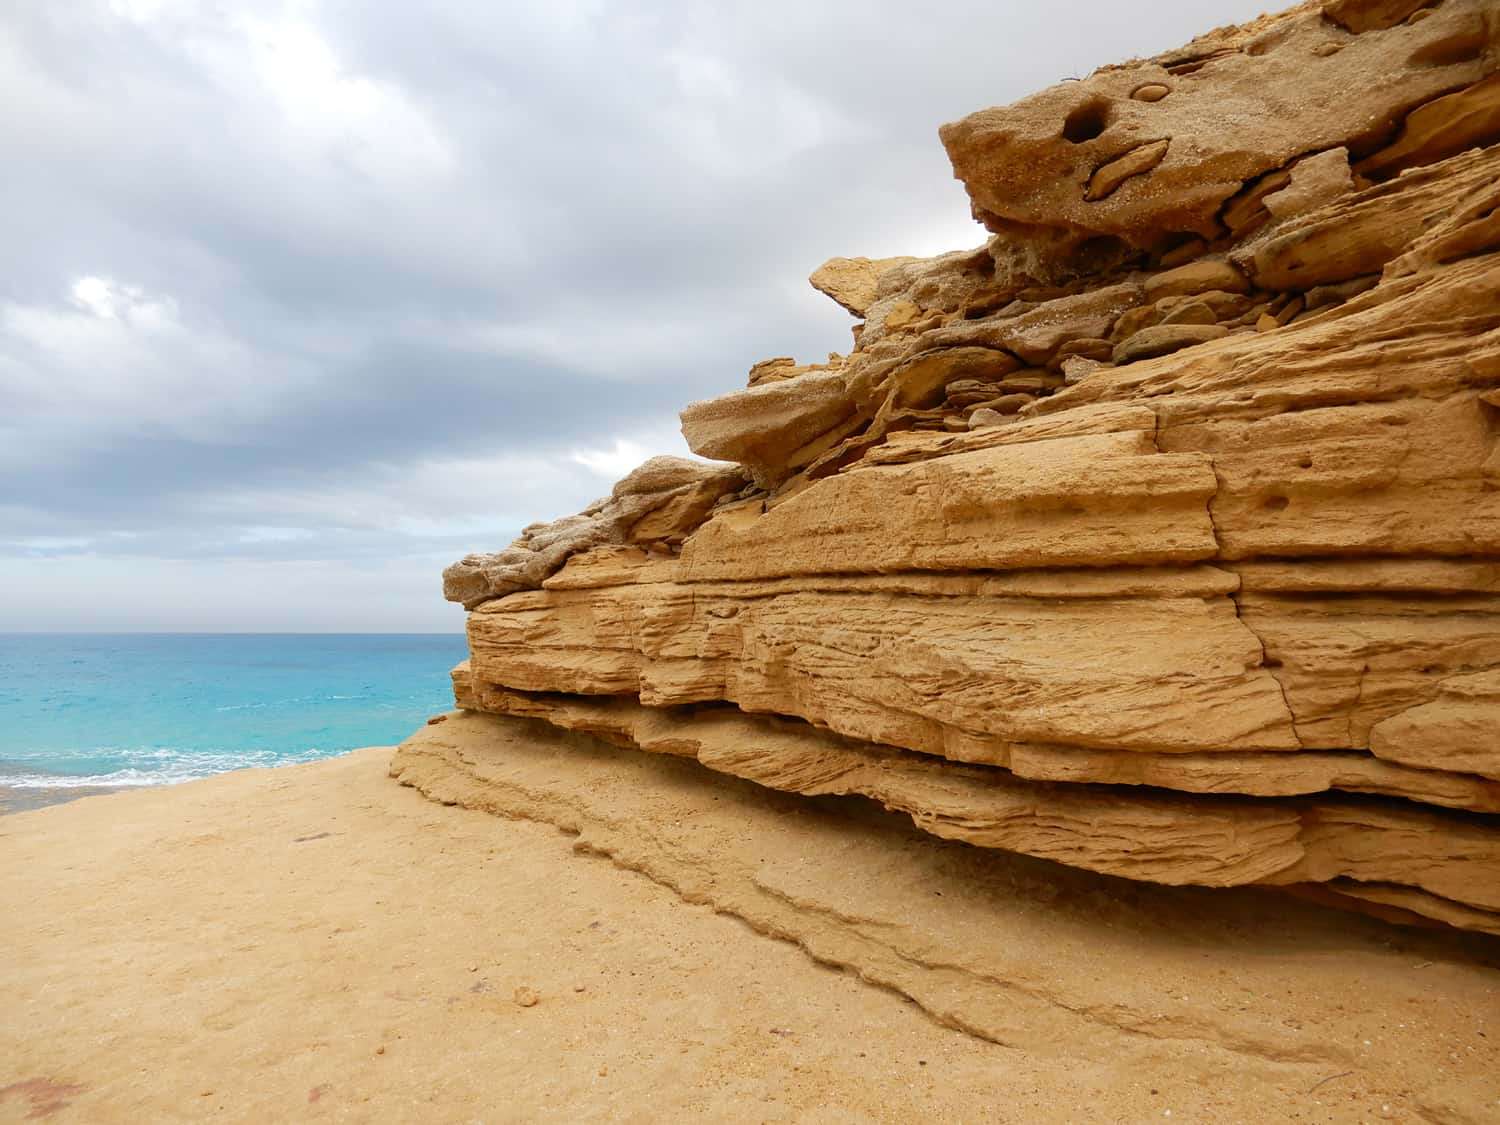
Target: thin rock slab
1138 834
1171 674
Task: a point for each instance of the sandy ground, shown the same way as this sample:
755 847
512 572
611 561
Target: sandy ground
315 943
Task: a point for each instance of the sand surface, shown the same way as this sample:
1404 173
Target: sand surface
316 942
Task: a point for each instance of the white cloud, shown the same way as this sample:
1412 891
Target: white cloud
611 463
140 11
370 123
488 497
110 301
626 452
49 543
112 358
261 534
619 344
300 595
95 295
733 121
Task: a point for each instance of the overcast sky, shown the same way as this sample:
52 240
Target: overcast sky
300 302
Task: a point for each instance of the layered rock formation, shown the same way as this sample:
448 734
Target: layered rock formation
1159 536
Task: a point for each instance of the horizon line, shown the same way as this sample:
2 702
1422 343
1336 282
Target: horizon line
229 633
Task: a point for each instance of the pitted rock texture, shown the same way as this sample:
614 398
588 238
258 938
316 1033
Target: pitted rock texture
656 506
1147 152
1159 536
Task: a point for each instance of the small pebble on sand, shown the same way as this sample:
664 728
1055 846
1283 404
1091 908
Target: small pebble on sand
526 997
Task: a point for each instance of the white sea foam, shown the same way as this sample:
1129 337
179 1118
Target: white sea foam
159 766
298 700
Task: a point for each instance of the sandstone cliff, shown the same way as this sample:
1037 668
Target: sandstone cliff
1159 536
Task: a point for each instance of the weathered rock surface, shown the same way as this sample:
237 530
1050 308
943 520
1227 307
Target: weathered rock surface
1138 834
1159 537
854 282
656 506
1240 104
771 427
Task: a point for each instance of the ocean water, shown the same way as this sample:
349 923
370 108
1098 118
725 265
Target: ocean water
151 709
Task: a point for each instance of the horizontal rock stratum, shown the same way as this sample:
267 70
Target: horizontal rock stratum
1159 536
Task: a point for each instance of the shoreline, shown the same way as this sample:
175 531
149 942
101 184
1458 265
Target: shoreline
19 799
29 798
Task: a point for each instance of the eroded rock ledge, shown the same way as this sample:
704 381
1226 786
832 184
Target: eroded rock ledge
1111 978
1159 536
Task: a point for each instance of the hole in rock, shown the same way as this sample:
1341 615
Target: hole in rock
1179 241
1305 463
983 266
982 309
1275 503
1087 121
1194 65
1100 252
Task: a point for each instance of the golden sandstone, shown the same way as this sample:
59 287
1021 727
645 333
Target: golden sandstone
1159 536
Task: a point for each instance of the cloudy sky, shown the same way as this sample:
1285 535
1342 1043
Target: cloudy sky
301 301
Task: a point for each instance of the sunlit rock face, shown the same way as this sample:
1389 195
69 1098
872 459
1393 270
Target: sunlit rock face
1159 536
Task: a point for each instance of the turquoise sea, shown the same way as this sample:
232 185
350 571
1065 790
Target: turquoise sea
151 709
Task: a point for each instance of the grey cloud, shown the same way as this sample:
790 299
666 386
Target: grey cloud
393 265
